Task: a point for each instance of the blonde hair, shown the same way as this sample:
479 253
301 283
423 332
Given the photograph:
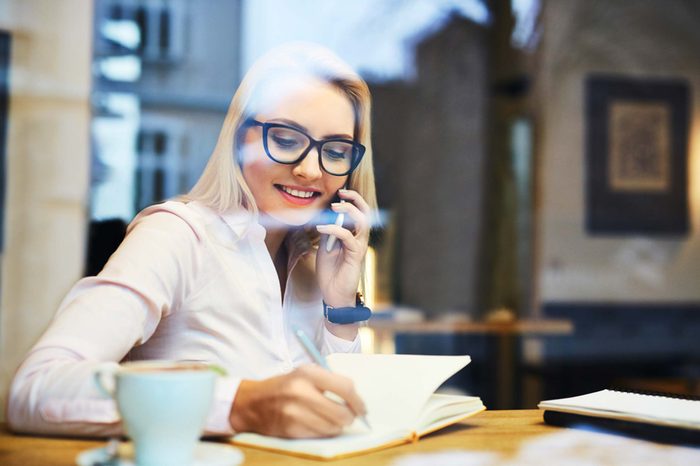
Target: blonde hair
221 185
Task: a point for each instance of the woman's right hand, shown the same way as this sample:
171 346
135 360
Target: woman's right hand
294 406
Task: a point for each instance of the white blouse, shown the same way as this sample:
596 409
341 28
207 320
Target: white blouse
185 284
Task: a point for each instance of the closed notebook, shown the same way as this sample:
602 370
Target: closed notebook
651 416
398 391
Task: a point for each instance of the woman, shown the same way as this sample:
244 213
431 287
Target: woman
223 274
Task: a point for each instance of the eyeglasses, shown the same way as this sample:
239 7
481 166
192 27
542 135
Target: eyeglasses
289 145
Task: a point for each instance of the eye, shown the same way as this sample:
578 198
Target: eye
285 142
334 154
337 150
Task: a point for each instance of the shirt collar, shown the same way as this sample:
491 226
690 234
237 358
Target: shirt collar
243 223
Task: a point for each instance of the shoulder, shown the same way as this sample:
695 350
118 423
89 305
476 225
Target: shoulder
175 217
191 222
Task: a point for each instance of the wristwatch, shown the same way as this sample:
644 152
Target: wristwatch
347 315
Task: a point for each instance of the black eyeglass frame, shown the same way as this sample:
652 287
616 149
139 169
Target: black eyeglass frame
356 157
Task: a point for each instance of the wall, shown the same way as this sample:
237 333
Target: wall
47 167
655 39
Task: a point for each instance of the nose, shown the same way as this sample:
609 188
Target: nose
309 168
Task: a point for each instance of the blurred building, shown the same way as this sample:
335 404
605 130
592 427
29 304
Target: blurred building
164 75
429 137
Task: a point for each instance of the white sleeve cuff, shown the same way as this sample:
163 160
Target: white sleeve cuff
218 422
335 344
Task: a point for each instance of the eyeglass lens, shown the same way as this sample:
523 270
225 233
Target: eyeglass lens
287 145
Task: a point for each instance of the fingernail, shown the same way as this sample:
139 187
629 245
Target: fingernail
336 204
321 227
343 191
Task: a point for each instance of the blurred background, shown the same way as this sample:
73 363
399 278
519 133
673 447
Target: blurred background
537 162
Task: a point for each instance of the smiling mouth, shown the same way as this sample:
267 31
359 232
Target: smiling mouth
300 194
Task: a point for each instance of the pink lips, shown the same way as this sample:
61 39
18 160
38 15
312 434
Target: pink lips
296 200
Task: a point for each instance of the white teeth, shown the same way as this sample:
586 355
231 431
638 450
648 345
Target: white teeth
296 193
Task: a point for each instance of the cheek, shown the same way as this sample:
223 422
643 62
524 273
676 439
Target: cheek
248 153
332 185
256 169
251 174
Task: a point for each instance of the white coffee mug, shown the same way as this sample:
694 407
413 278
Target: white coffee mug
163 406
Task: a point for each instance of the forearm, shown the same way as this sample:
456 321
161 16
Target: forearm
53 393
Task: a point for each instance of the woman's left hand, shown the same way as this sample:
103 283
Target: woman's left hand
338 271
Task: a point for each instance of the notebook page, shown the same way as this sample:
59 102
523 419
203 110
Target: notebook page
395 387
657 409
441 407
349 442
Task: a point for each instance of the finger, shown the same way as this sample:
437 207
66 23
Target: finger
338 384
337 414
346 236
357 199
303 387
358 218
304 422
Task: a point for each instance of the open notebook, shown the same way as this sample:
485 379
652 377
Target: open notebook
652 416
398 391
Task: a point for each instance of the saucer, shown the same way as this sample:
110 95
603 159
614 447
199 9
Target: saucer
205 454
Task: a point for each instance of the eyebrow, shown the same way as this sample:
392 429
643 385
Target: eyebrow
304 129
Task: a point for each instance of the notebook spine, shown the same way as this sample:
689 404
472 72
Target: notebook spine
656 433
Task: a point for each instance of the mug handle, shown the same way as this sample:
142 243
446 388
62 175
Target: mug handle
99 375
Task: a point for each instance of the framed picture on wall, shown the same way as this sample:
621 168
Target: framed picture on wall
636 156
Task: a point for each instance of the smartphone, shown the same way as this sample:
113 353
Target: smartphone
338 221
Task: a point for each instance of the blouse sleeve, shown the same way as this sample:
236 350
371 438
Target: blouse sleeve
99 321
335 344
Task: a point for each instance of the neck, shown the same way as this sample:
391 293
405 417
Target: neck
275 233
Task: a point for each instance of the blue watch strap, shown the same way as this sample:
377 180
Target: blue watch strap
346 315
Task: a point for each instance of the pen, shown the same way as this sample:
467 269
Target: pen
318 359
331 238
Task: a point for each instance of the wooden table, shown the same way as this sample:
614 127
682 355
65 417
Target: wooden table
502 433
504 357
